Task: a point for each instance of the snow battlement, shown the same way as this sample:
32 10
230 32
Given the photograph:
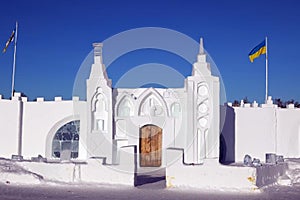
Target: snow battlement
18 97
269 104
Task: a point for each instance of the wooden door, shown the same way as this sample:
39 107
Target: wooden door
150 146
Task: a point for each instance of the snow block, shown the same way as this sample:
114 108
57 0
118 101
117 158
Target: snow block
212 175
94 170
269 174
57 172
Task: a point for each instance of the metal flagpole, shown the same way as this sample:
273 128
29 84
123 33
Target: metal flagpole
14 62
266 69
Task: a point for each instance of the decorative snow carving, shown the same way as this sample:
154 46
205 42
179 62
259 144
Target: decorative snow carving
202 105
202 119
151 106
203 122
100 104
125 108
203 108
99 111
202 90
175 109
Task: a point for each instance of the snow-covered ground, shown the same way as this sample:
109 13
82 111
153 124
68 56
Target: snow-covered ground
17 183
77 192
11 172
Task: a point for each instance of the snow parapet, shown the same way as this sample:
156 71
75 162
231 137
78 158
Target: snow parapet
212 175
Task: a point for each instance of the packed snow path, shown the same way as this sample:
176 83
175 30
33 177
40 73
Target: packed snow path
46 190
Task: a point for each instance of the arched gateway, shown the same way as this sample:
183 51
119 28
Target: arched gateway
150 146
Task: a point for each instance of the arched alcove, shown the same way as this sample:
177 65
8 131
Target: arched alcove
150 102
99 111
66 140
125 108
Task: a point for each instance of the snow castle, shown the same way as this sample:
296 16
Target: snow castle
183 130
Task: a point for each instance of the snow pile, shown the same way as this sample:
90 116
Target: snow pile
294 170
292 175
12 173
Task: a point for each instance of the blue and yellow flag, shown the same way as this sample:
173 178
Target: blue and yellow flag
10 39
258 50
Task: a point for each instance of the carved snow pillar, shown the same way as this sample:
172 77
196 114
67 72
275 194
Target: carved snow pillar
203 120
100 112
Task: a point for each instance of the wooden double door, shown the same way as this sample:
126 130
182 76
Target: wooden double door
150 146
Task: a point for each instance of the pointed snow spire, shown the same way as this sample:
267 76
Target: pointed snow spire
98 68
201 48
201 67
201 56
98 52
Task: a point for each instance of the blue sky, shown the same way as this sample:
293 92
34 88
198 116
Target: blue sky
56 36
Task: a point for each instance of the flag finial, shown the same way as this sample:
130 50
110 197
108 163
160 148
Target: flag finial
98 52
201 48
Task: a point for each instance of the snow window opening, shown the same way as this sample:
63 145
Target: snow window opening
66 139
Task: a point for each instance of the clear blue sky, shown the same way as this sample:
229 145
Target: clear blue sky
55 36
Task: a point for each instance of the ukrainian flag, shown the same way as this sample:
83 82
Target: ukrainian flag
10 39
258 50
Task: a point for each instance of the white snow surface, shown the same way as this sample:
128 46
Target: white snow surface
11 172
18 183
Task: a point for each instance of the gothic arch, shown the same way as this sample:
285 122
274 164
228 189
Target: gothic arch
99 108
145 95
125 106
99 99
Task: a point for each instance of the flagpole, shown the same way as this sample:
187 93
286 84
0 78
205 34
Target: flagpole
266 98
14 62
